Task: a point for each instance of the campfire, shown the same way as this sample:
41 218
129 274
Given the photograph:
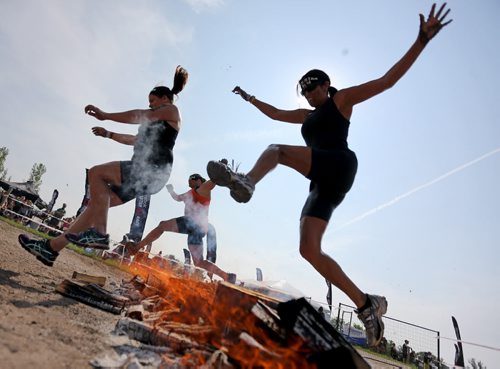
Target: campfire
188 321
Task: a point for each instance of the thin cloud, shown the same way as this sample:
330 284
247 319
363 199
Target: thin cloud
201 5
416 189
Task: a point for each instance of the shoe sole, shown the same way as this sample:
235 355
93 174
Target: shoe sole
221 176
97 246
381 310
34 253
218 173
240 193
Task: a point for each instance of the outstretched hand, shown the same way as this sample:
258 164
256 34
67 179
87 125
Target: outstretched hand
95 112
434 23
100 131
238 91
170 188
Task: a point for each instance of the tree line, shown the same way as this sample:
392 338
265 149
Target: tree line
35 176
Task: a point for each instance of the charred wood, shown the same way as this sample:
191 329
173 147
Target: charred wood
92 295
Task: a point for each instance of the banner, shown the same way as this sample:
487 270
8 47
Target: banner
52 202
329 294
259 274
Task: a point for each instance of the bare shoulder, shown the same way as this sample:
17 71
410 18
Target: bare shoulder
341 101
171 114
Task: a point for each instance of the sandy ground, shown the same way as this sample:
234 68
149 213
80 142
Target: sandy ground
40 328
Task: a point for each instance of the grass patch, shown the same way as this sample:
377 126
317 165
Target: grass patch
383 356
25 228
72 247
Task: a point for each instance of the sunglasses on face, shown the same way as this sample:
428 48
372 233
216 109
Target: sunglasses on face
308 84
309 88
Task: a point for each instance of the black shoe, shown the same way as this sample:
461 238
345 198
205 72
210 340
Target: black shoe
40 248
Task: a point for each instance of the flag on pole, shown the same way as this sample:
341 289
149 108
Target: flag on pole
459 352
329 294
52 202
259 274
187 257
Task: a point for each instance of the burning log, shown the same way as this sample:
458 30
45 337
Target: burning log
269 318
222 325
252 332
232 307
202 331
93 295
151 303
86 278
330 348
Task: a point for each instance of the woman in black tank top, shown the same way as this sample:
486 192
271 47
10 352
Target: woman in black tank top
114 183
327 162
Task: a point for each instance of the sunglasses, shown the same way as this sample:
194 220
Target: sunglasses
194 178
309 88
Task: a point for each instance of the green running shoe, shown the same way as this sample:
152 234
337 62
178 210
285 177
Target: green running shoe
40 248
89 238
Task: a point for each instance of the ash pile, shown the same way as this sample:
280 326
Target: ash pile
174 319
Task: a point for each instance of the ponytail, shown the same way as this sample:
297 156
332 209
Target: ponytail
332 91
180 79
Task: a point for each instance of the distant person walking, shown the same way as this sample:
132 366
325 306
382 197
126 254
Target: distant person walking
118 182
327 162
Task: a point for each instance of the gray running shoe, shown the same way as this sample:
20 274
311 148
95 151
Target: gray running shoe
39 248
372 319
89 238
239 184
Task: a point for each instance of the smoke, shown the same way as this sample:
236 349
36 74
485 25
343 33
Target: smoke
149 175
416 189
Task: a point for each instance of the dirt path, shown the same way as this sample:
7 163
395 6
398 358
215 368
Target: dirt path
40 328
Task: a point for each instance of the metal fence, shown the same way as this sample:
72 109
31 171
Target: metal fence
421 339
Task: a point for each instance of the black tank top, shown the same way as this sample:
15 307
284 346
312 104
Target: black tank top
326 128
154 144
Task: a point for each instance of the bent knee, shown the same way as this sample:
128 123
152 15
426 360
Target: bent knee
310 253
275 148
277 151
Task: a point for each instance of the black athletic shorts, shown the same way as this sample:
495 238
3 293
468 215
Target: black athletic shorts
187 226
140 180
332 175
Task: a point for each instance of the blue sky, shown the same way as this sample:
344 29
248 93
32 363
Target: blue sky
421 223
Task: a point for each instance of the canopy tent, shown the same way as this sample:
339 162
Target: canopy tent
25 189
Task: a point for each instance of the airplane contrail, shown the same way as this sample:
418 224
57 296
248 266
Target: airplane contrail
416 189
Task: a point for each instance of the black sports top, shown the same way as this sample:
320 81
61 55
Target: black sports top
326 128
154 144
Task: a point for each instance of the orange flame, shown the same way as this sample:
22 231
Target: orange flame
226 310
